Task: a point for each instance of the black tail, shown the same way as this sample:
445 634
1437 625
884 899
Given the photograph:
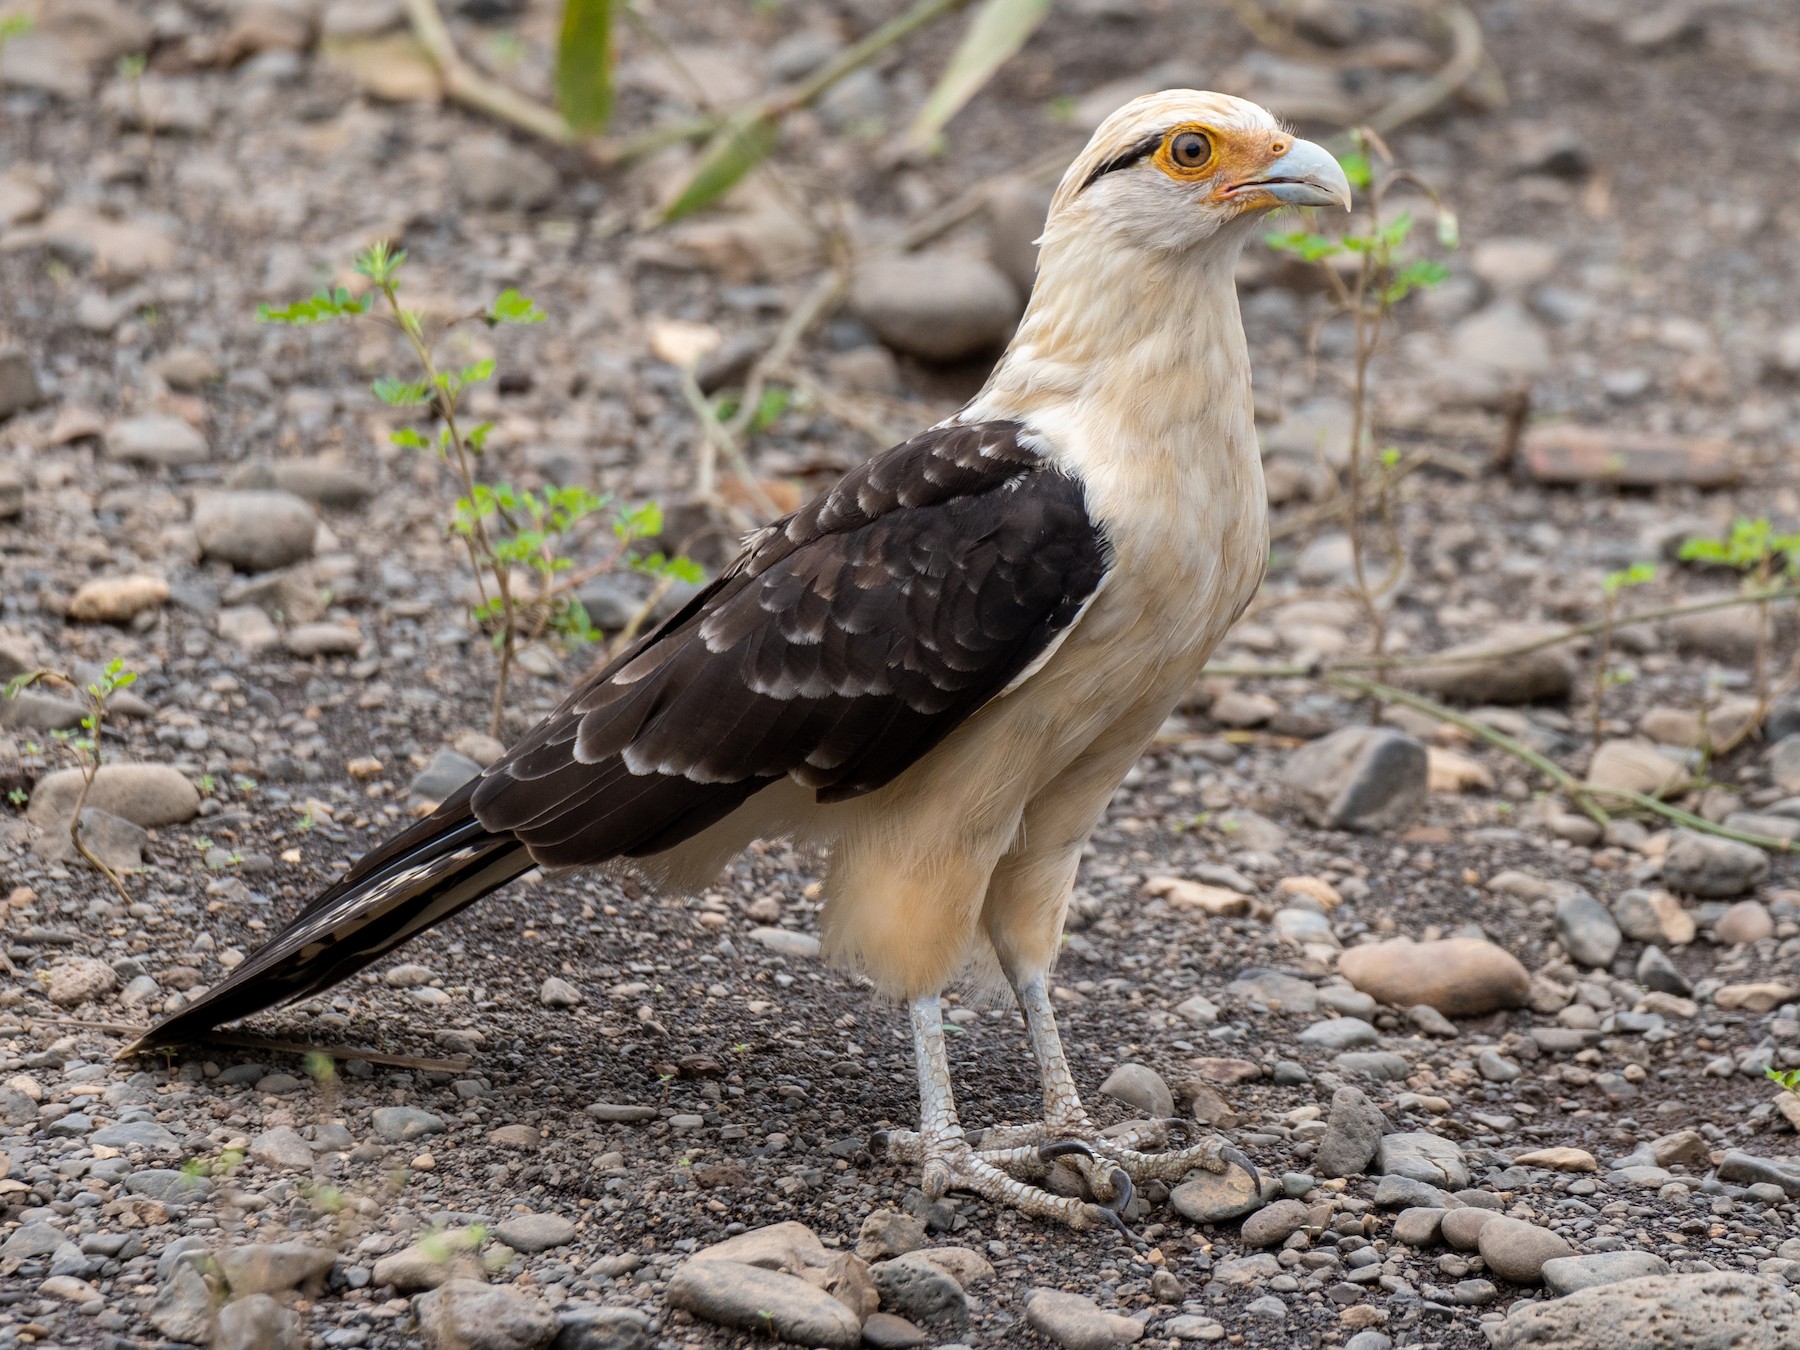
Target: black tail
425 875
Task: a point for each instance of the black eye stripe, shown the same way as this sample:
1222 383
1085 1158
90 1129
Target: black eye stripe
1143 149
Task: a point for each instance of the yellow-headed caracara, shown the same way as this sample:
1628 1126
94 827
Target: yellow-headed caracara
938 671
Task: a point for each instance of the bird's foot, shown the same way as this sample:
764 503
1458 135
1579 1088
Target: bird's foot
1106 1166
991 1174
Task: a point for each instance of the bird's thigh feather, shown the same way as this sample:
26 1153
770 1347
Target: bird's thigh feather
1028 896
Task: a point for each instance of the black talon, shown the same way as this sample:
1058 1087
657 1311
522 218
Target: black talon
1064 1148
1123 1192
878 1142
1113 1218
1236 1156
1176 1126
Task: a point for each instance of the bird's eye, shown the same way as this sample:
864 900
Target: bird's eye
1190 150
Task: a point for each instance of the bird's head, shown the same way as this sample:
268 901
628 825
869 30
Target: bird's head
1171 171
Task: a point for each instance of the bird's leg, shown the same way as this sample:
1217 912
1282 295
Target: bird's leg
946 1161
1065 1119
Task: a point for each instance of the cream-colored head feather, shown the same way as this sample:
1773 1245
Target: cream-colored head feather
1172 169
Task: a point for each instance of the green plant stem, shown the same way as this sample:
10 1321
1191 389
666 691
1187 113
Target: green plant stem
482 555
1698 823
1385 693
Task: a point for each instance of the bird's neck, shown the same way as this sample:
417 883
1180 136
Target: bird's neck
1126 358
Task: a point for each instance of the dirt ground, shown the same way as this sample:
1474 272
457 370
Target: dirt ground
1627 209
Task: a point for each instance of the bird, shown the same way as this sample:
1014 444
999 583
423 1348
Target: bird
938 671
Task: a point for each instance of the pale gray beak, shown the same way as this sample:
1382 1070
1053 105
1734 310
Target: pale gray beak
1307 175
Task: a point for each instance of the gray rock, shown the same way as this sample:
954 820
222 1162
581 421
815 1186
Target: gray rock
1749 1170
1383 1066
29 1240
273 1267
1715 868
1461 1228
492 173
1340 1033
1370 1340
1076 1322
1516 1250
183 1307
1504 338
1566 1274
465 1314
168 1185
1469 672
155 438
145 794
584 1327
1274 1223
914 1288
1140 1086
112 839
325 482
557 992
936 306
18 383
1394 1192
311 640
255 531
1587 931
1267 1306
75 980
257 1322
1494 1067
1273 990
16 1108
1419 1227
447 772
1422 1157
1656 971
733 1294
282 1149
1213 1197
1707 1310
137 1134
1360 778
402 1124
536 1232
1353 1133
888 1233
1784 755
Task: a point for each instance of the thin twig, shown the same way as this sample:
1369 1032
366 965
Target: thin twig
1442 660
468 85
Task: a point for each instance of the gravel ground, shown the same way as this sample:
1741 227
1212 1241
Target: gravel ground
574 1087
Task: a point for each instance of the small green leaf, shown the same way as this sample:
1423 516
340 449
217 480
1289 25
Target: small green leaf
511 307
1357 169
584 64
734 152
380 262
994 35
324 306
1449 230
408 438
400 393
1309 247
476 372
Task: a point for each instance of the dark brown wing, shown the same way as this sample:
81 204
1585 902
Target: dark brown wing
843 644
